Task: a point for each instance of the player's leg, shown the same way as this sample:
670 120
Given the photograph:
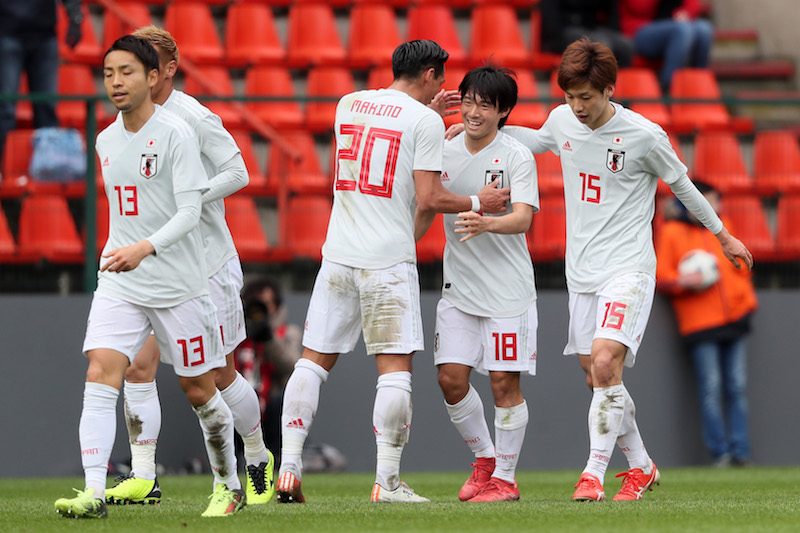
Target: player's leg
457 349
225 287
332 327
188 337
143 420
391 320
109 353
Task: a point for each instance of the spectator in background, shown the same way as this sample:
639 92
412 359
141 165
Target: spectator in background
668 30
565 21
713 319
28 43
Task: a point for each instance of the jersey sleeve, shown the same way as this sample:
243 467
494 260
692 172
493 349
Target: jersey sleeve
537 141
188 173
662 161
429 143
215 142
524 180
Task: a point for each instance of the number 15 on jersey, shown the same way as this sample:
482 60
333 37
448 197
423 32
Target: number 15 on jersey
374 145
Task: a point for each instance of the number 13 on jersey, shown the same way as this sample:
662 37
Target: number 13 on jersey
374 145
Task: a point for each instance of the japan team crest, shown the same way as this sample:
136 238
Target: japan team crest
492 175
148 166
615 160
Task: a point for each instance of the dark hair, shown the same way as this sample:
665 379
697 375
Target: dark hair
412 58
495 86
253 290
139 47
585 60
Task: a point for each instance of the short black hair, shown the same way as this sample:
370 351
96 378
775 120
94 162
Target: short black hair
412 58
493 85
139 47
253 290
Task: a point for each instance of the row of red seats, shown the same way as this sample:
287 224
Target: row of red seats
251 35
47 230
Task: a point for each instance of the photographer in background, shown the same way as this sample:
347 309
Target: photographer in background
713 302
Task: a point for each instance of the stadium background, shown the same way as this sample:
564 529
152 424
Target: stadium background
741 134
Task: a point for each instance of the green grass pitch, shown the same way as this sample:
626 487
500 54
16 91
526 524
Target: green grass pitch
688 499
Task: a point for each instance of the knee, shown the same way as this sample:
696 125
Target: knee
225 376
196 390
137 373
505 388
704 30
604 368
453 387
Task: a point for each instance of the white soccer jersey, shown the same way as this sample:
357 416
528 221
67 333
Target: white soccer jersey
610 178
142 172
490 275
382 137
216 148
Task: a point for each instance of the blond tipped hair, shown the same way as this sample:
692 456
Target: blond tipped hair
161 39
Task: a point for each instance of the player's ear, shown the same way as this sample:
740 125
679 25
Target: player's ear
171 68
609 91
152 77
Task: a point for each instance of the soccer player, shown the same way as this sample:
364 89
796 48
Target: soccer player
152 278
611 160
227 174
486 319
389 155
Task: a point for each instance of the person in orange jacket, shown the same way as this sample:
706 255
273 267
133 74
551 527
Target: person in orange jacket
713 319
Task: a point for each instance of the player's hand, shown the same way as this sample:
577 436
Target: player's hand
494 200
127 258
734 250
471 224
454 130
444 101
73 34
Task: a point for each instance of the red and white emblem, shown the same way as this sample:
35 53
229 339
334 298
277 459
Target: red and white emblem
148 165
615 160
616 140
151 143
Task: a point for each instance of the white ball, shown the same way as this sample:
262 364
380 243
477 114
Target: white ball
703 262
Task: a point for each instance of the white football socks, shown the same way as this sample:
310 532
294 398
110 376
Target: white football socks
97 429
509 433
300 402
605 420
243 403
216 422
143 418
391 420
468 418
630 440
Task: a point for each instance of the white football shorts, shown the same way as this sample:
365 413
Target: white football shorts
383 304
187 334
225 288
486 344
618 311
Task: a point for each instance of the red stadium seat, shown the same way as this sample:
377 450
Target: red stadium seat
452 79
373 35
192 26
496 36
382 77
258 182
251 37
276 82
331 82
114 28
718 161
788 231
304 177
749 223
16 159
431 246
555 91
700 84
76 80
88 48
435 21
531 114
548 233
7 246
313 37
544 61
241 214
548 169
223 86
47 231
307 221
777 162
633 83
24 112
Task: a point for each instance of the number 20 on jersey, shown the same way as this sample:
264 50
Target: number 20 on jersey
380 140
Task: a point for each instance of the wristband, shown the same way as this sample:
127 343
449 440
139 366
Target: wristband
476 203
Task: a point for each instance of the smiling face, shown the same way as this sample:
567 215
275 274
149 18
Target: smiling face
125 80
481 117
590 106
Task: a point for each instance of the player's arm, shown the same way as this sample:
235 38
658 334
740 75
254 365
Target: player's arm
432 196
473 224
182 222
232 177
422 222
217 144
